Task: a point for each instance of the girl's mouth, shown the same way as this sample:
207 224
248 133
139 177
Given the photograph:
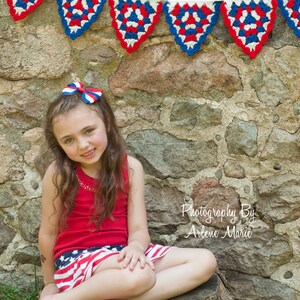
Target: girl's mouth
89 154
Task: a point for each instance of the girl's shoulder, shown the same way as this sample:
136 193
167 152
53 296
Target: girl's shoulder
135 168
54 172
51 170
133 163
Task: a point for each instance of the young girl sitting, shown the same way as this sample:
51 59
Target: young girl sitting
93 239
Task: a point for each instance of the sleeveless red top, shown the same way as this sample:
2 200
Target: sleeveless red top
81 232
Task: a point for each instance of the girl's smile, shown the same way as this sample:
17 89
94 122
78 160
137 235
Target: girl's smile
82 135
89 154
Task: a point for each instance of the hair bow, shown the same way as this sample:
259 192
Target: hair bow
89 96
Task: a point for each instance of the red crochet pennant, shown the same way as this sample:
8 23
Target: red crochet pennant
134 20
249 22
19 9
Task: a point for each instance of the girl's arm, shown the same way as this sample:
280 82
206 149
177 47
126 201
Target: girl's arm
138 235
51 210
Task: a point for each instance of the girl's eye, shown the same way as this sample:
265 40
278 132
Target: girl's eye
68 141
89 131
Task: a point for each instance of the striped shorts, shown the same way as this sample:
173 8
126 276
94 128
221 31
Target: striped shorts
77 266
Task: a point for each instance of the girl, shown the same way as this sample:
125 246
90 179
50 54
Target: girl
93 239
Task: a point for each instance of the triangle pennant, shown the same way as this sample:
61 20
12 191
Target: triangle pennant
19 9
290 9
249 22
191 22
134 20
78 15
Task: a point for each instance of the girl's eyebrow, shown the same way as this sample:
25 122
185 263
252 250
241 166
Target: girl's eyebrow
88 126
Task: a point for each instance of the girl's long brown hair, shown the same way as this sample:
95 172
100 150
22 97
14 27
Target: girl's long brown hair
110 174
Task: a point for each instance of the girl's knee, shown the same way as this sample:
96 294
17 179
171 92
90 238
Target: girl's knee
211 261
140 280
207 262
202 262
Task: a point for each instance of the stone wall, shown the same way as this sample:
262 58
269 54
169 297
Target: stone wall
218 135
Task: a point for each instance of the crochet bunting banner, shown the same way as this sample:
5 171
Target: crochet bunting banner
191 22
249 22
19 9
134 20
290 9
78 15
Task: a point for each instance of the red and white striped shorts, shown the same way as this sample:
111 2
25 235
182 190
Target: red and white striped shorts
77 266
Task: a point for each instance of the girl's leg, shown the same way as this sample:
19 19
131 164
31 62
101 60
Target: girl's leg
179 271
111 281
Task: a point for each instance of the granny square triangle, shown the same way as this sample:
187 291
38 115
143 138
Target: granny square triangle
190 22
249 22
78 15
19 9
290 9
134 20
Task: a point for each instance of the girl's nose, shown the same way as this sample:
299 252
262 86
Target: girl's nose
83 143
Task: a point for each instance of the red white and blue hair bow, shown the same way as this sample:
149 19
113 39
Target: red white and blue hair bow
89 95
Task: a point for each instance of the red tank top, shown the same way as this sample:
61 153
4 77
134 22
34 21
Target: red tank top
80 232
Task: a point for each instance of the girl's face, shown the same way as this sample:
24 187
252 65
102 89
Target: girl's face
82 135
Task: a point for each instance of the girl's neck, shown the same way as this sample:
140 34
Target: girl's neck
91 172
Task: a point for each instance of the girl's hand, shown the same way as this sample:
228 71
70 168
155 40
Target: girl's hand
131 255
48 290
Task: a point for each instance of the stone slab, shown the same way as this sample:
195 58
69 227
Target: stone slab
210 290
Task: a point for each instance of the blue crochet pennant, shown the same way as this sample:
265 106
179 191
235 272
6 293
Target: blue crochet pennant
191 22
78 15
290 9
